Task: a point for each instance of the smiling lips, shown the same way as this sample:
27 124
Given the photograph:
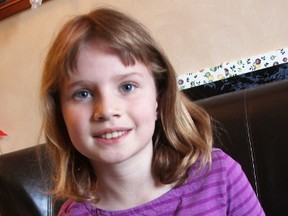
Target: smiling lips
112 134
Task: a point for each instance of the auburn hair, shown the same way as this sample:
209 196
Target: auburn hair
183 133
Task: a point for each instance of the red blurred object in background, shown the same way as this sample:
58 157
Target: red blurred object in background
2 133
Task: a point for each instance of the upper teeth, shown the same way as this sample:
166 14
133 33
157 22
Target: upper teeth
112 135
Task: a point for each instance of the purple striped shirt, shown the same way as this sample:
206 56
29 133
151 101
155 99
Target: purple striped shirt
221 190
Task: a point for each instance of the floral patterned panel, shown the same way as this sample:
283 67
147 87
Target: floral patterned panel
236 75
226 70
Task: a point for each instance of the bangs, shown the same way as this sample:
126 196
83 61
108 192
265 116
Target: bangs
131 42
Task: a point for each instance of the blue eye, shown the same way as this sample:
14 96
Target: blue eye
83 94
127 87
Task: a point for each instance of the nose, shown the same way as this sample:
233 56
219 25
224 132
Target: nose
107 107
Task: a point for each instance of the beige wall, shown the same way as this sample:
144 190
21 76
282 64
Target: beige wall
195 33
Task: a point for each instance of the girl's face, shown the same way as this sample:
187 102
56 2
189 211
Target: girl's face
109 108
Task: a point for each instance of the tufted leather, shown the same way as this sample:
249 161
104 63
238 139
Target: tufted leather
24 184
252 128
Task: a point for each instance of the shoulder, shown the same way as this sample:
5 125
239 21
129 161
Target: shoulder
226 169
220 188
71 207
221 167
215 176
231 169
221 160
241 198
220 155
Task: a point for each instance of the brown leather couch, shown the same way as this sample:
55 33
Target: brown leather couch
252 127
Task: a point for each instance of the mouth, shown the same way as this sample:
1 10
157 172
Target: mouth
112 134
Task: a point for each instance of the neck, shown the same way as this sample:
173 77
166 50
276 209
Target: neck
129 192
119 184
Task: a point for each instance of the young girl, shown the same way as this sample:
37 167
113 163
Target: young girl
123 139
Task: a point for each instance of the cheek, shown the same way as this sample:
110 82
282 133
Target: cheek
72 119
144 110
76 129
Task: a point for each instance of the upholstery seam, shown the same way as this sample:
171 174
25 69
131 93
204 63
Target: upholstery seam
251 149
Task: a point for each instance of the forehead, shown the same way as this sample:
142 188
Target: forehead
127 57
101 61
72 54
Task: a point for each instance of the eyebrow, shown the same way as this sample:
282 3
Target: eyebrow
117 77
130 74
